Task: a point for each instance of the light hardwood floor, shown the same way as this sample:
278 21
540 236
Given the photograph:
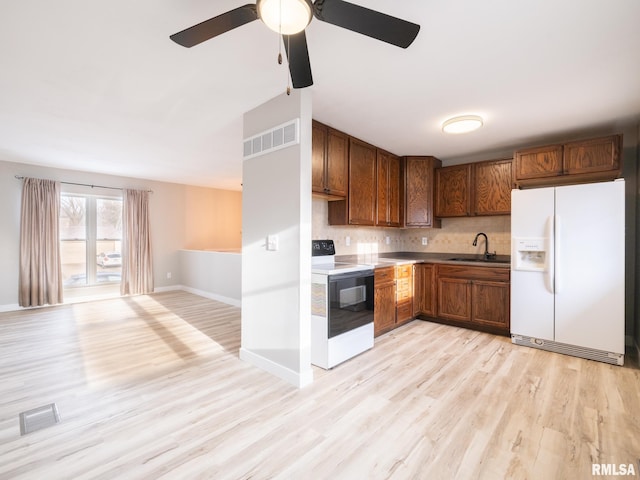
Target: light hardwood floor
151 387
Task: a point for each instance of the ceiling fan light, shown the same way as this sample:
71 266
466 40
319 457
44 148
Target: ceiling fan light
294 17
462 124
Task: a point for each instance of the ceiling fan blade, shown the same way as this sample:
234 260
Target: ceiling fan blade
367 22
216 26
298 55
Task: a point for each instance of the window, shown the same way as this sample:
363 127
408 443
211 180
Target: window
90 239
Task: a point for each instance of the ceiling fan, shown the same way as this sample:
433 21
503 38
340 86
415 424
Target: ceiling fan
290 17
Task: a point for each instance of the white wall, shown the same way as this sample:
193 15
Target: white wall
215 275
276 285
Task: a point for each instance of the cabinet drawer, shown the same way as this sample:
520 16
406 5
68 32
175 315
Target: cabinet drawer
383 275
404 271
403 289
474 273
404 312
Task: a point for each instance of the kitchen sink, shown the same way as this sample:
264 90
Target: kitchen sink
479 259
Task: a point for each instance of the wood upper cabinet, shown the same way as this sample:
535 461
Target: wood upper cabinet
453 191
482 188
360 206
388 189
418 186
538 162
593 156
492 185
424 299
596 159
474 296
330 155
362 183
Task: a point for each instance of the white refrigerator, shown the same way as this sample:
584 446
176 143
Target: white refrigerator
567 269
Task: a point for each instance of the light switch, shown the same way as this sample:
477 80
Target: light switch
347 240
272 242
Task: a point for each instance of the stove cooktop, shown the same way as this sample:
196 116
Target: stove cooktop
338 267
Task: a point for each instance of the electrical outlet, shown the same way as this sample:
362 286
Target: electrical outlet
168 275
272 242
347 240
387 240
425 241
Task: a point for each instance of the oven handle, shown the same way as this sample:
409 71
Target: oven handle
357 274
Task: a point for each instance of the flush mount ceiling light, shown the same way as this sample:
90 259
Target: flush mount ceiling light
462 124
285 16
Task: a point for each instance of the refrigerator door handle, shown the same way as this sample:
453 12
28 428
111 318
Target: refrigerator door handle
558 250
549 267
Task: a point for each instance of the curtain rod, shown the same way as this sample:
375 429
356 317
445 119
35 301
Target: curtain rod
21 177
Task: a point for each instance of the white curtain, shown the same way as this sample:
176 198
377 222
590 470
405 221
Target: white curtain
40 276
137 267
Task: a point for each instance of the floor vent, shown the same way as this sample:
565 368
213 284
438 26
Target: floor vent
39 418
575 351
271 140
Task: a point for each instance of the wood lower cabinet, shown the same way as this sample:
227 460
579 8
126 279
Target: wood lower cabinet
470 297
596 159
384 300
424 299
404 293
475 297
489 299
393 297
454 298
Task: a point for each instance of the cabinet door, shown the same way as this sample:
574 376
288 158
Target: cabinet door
454 299
388 189
337 163
491 304
453 191
418 195
384 313
384 300
538 162
362 183
492 183
592 156
318 156
425 292
394 191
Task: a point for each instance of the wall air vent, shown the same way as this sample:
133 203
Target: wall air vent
271 140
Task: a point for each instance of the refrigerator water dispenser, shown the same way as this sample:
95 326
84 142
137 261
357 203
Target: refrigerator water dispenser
529 254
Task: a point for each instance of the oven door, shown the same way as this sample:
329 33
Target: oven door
350 301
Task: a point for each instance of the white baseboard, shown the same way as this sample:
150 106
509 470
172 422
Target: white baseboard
10 307
296 379
212 296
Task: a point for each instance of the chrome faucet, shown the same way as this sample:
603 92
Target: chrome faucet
486 245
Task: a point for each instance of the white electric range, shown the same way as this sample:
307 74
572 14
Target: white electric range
341 307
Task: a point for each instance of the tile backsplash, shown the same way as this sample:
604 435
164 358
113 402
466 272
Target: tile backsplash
455 236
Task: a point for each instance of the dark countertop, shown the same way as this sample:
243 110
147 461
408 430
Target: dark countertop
399 258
